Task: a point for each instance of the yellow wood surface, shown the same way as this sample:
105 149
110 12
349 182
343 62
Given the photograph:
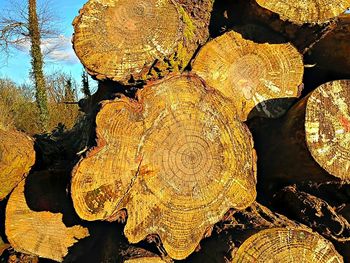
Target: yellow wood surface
123 40
38 233
283 245
17 156
145 260
306 11
327 127
176 159
250 73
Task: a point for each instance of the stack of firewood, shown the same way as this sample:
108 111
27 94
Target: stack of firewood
220 132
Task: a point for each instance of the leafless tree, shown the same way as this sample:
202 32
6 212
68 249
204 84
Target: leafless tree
24 24
14 25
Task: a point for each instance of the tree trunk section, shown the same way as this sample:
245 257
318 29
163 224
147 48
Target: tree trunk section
301 11
286 245
327 127
182 159
132 42
17 156
40 233
254 76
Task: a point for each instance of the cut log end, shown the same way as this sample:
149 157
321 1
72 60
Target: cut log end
17 156
327 127
286 245
251 74
145 260
38 233
176 159
112 38
135 41
310 11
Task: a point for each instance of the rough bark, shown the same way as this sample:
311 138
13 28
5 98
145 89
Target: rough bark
317 214
17 156
251 74
314 212
131 42
182 159
235 228
256 217
37 64
331 53
336 194
40 233
311 11
328 59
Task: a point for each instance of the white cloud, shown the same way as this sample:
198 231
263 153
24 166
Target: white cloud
60 49
57 49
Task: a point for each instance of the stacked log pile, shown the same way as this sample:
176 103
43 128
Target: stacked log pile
220 132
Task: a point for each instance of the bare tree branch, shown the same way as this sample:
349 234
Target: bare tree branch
14 31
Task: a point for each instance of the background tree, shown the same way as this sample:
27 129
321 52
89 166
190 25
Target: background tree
20 25
62 100
18 107
85 84
37 63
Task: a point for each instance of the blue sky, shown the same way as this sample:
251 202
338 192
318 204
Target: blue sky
17 66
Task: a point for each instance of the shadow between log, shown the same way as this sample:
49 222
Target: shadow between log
283 156
228 15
